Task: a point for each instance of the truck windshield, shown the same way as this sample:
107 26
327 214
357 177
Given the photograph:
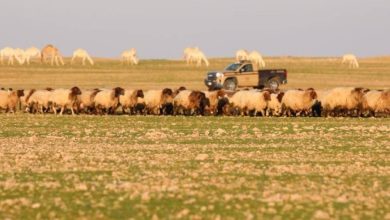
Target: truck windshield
233 67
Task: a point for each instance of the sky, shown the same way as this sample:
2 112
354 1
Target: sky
162 29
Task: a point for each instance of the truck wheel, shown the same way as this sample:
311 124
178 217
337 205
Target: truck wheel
229 84
273 84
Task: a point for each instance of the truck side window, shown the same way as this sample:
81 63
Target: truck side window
247 68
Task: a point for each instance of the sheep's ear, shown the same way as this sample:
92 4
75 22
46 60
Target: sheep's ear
20 93
313 94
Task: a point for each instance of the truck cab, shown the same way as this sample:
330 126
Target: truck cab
245 74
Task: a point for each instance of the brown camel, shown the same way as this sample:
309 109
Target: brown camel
50 51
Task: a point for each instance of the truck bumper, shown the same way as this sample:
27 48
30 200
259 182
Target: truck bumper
212 84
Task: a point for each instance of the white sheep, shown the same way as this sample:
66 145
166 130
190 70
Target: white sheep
343 100
351 60
83 54
156 100
39 100
129 57
64 98
257 60
250 100
298 101
275 104
108 99
242 55
377 102
86 101
130 99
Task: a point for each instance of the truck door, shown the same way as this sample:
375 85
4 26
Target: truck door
247 77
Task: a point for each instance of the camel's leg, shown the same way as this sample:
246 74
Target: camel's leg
61 60
83 61
56 59
52 60
72 61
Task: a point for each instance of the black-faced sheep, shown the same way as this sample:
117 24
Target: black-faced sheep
64 98
156 101
130 99
107 100
298 102
9 99
343 101
189 102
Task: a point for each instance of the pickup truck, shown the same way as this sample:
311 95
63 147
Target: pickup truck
244 74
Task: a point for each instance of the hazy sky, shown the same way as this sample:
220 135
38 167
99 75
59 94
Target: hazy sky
162 28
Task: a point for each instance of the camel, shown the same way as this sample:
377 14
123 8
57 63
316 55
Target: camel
130 57
29 53
83 54
188 54
194 54
11 54
256 58
242 55
351 60
52 52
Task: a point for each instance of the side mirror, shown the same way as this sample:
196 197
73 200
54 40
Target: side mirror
241 70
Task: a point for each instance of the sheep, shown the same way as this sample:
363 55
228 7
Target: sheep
156 101
298 101
86 100
376 101
250 100
9 99
39 100
130 99
343 101
64 98
351 60
83 54
108 99
275 104
190 102
24 99
214 97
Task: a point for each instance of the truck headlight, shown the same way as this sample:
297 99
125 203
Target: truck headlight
219 75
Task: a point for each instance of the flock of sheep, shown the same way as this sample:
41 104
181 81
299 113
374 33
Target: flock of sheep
342 101
192 55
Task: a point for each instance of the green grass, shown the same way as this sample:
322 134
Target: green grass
119 167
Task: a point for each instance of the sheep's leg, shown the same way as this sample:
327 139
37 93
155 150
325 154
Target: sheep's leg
62 109
71 109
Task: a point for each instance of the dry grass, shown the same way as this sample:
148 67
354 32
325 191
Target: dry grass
320 73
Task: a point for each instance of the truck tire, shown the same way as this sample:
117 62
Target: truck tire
230 84
273 84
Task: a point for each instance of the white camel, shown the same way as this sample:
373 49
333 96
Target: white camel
11 54
242 55
83 54
188 54
351 60
195 55
129 57
198 57
256 58
30 53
